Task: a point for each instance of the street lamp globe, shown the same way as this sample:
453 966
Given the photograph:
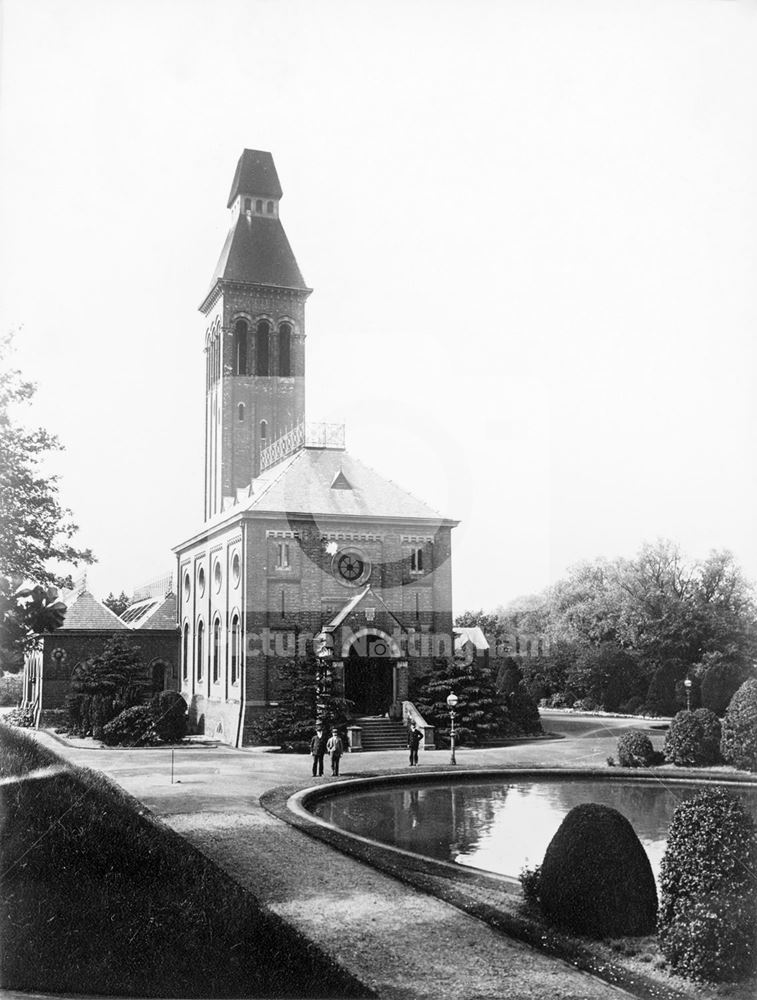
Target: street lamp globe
452 701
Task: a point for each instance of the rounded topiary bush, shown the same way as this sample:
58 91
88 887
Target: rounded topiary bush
596 878
133 725
693 739
738 743
169 711
635 750
708 906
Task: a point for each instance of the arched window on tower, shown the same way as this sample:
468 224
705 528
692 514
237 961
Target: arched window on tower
285 349
263 430
248 204
240 411
262 336
240 347
269 207
259 205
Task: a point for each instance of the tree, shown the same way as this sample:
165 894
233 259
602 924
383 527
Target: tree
306 696
481 713
35 530
117 604
105 685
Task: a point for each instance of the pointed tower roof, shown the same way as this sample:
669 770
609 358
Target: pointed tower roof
255 175
256 251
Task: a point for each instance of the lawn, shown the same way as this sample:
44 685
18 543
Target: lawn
98 897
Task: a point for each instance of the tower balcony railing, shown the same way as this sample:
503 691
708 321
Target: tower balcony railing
308 434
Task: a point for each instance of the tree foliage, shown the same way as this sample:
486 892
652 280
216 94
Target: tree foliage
629 631
103 686
306 695
117 604
481 713
36 531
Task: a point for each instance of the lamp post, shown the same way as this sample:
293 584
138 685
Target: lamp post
687 685
451 703
324 651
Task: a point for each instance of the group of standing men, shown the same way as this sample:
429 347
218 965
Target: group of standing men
334 747
320 746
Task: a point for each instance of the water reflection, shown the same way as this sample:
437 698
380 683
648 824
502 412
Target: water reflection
500 826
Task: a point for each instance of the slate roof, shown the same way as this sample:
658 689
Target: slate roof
257 252
301 484
84 611
255 175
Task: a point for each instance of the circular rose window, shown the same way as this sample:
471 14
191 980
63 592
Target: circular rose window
351 567
201 581
236 570
187 586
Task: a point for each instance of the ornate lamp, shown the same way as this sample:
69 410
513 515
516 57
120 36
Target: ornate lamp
452 700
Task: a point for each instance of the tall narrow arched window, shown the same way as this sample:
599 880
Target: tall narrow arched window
234 664
240 347
259 205
200 650
248 204
240 411
262 337
263 430
269 207
185 654
285 349
216 650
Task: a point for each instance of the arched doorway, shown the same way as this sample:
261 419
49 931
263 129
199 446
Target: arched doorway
162 676
369 675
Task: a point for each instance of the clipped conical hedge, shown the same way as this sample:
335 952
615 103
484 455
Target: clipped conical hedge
596 878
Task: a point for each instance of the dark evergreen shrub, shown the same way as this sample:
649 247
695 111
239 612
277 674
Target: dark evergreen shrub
169 711
708 907
523 710
738 743
693 739
661 695
596 878
721 679
130 727
711 733
635 750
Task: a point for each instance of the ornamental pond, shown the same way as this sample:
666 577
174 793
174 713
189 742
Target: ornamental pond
500 825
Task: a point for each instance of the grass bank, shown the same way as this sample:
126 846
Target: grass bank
98 897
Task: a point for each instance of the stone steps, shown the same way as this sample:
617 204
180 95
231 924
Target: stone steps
382 734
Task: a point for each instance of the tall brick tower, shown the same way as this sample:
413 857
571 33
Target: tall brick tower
255 335
300 538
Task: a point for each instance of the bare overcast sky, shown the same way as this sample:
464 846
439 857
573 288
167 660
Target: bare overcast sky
531 227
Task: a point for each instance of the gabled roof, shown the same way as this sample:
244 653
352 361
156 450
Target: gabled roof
353 603
257 252
255 175
84 611
301 484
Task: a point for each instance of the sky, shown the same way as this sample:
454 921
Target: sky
530 227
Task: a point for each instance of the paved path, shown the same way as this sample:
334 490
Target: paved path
403 943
